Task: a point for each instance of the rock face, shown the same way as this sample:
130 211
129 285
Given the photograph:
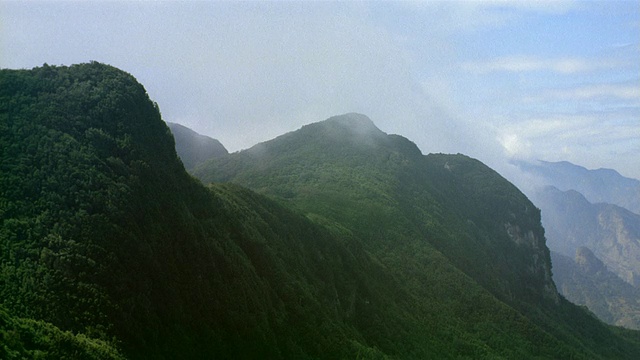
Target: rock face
597 253
586 280
588 263
612 233
539 267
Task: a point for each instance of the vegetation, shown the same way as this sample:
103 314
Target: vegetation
30 339
350 243
417 214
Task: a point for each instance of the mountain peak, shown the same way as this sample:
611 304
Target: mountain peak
364 248
354 120
597 186
352 125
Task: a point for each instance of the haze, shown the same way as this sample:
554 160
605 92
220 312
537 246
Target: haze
494 80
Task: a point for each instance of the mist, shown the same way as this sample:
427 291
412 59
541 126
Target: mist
493 80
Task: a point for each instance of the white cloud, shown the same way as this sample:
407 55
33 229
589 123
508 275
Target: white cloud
452 16
625 92
245 72
515 146
538 6
517 64
595 140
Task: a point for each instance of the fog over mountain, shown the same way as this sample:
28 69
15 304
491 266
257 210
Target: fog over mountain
612 233
597 185
592 227
336 240
303 233
492 79
193 148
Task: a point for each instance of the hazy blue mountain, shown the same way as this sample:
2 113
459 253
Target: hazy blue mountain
612 233
586 280
193 148
348 243
597 186
591 210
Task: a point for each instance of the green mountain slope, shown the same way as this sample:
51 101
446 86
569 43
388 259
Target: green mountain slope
108 248
346 173
104 234
29 339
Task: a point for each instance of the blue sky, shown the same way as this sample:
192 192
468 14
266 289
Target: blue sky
549 80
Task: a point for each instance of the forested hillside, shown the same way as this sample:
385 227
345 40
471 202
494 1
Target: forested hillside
347 171
104 234
109 249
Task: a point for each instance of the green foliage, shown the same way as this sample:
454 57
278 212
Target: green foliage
466 245
30 339
104 233
358 246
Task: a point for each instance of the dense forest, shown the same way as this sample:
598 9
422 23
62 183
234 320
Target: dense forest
334 241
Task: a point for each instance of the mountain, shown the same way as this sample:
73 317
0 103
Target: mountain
105 235
22 338
585 280
346 173
612 233
339 167
597 186
597 211
193 148
352 244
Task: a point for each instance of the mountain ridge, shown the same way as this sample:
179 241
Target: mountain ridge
286 178
597 186
584 209
105 235
585 280
363 157
610 231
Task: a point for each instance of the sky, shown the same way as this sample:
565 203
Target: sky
495 80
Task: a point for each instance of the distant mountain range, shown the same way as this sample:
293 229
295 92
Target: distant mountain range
334 241
597 186
598 225
612 233
586 280
193 148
